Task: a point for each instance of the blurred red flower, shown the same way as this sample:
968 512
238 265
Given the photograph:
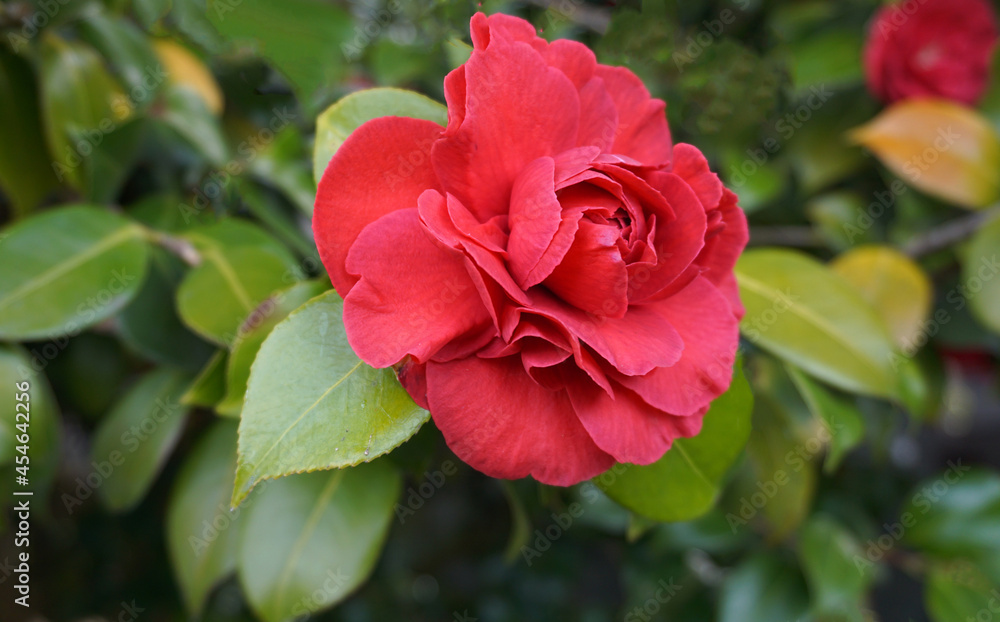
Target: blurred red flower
551 278
931 48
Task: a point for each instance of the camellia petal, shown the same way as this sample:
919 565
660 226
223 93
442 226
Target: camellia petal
496 428
410 302
507 85
701 316
382 167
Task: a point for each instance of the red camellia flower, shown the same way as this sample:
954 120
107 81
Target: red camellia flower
550 277
931 48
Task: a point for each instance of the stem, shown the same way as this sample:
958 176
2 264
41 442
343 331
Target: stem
178 246
949 233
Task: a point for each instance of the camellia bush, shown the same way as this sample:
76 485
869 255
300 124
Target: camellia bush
426 310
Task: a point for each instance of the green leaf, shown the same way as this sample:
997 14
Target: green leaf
784 446
150 11
957 592
150 325
827 551
216 298
81 103
128 50
26 174
267 207
338 121
304 39
816 147
265 317
839 416
311 539
805 314
111 161
189 117
311 403
763 588
280 165
232 232
827 60
137 437
980 268
209 387
202 535
43 425
68 269
686 481
955 515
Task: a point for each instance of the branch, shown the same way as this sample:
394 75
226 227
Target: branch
178 246
949 233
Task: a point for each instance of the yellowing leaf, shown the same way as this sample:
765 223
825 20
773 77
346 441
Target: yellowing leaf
185 69
895 285
943 148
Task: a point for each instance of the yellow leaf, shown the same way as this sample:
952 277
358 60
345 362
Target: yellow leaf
943 148
895 285
185 69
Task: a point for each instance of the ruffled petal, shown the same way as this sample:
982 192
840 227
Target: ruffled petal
382 167
642 132
625 426
413 297
710 333
722 249
634 344
677 242
500 422
594 253
517 109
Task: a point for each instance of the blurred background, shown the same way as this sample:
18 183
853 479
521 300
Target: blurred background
191 126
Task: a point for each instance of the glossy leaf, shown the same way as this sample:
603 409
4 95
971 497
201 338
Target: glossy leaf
828 551
686 481
150 325
68 269
955 514
763 588
981 275
209 386
233 232
782 482
128 50
81 102
943 148
958 592
202 533
264 318
138 435
893 284
309 540
304 39
26 175
338 121
279 164
839 416
312 404
805 314
190 118
217 297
